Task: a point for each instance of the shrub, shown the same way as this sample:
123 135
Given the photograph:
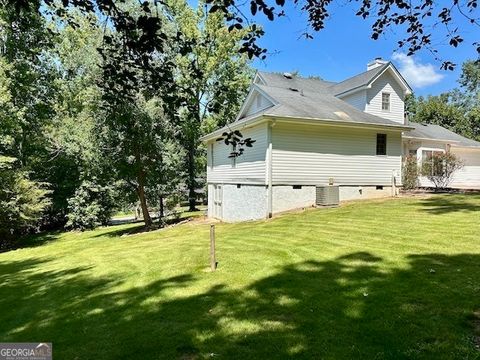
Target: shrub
410 172
439 168
91 206
22 202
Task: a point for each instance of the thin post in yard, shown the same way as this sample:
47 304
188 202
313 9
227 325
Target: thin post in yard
213 261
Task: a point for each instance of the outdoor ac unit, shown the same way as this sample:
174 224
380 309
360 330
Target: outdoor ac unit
327 195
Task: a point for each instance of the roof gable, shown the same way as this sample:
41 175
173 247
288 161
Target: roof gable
256 101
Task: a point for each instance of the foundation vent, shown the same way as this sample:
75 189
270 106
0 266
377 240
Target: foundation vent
327 195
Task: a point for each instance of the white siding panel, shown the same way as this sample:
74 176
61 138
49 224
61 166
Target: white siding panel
386 83
358 99
469 176
248 168
308 154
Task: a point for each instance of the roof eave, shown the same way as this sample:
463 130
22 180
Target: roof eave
319 121
430 139
459 145
258 118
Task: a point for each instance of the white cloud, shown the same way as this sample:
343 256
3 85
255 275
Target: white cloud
417 75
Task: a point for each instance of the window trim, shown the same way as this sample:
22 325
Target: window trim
389 101
383 153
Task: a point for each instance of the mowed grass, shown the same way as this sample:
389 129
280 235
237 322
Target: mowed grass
389 279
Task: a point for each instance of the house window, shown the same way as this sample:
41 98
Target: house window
381 144
429 155
385 101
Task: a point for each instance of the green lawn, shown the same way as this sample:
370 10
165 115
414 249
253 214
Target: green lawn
392 279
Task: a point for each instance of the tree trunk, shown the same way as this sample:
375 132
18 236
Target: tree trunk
162 210
143 203
141 192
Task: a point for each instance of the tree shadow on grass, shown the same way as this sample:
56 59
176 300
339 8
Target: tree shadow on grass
451 203
345 308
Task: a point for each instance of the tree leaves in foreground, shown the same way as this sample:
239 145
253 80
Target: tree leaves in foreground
422 24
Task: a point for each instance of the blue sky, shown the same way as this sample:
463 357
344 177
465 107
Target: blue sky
344 48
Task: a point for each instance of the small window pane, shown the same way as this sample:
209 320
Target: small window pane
381 144
386 101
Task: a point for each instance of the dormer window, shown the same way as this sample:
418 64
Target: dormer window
385 101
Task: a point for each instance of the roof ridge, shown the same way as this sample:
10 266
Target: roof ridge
376 69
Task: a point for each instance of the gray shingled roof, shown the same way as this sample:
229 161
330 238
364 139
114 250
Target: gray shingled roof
357 80
436 132
312 98
279 80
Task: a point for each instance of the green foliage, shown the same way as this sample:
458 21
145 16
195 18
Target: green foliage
440 110
440 167
91 206
410 172
213 79
22 201
457 110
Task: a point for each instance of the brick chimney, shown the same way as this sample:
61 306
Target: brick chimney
376 63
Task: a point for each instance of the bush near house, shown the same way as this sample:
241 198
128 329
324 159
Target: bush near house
439 168
410 172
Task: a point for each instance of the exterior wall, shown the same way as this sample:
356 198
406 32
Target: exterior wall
386 83
358 99
469 176
311 154
248 168
210 190
249 202
287 198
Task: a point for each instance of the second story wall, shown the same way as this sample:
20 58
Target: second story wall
386 83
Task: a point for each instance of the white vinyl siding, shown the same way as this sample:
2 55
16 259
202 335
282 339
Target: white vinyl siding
357 100
311 154
249 167
469 176
386 84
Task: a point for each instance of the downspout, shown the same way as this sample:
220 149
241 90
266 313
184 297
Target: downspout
268 169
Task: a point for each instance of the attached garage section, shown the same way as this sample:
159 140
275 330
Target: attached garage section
469 176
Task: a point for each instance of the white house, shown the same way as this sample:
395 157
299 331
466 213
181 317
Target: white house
312 132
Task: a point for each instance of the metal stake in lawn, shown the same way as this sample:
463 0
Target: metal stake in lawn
213 261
